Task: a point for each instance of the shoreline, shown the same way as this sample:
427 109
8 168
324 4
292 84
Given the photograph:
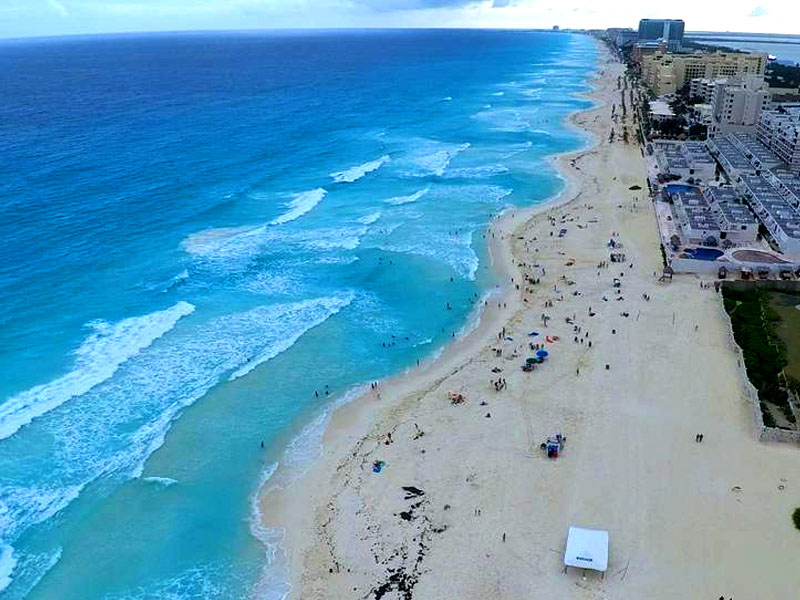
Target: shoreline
474 334
468 506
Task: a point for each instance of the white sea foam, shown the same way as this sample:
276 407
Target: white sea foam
270 283
532 93
447 99
27 570
176 281
453 250
97 359
173 376
506 119
204 581
433 158
355 173
499 94
299 456
21 507
7 564
370 218
273 583
210 242
515 149
337 260
397 201
338 238
480 172
180 277
300 204
162 481
304 315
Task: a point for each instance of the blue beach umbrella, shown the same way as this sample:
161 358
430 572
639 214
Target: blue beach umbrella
542 353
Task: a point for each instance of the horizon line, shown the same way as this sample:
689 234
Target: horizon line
232 30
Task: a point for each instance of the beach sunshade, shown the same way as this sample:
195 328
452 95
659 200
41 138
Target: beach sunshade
542 353
533 333
531 361
587 549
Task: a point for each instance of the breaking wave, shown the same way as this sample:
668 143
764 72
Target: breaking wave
97 359
399 200
355 173
301 204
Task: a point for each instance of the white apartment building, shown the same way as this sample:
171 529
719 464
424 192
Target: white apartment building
736 221
741 105
736 104
779 130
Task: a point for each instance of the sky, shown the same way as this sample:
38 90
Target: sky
23 18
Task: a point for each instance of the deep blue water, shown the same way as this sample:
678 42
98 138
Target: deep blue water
199 232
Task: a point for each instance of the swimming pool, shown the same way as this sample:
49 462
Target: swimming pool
677 188
704 253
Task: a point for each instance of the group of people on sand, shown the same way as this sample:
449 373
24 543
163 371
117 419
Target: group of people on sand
500 384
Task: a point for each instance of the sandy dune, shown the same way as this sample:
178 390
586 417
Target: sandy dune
686 520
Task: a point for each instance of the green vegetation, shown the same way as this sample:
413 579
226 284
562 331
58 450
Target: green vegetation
782 76
796 517
785 305
755 324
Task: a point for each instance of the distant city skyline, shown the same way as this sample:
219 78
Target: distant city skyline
24 18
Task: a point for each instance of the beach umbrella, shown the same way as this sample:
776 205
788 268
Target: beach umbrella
531 361
542 353
533 333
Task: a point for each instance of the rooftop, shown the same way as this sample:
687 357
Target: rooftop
661 109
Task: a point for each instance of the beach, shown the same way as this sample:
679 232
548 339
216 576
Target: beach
269 242
636 373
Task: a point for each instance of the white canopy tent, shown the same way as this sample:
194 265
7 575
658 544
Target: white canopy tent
587 549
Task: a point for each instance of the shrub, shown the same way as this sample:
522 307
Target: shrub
764 353
796 517
767 416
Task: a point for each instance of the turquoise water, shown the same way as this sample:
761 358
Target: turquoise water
209 239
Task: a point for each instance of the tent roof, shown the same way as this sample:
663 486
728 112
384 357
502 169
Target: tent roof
587 549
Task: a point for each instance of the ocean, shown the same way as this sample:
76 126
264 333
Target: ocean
211 239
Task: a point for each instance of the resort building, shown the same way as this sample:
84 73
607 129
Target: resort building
737 223
736 105
779 130
622 37
734 163
787 183
660 111
667 30
666 73
697 222
701 163
779 217
757 153
688 160
704 88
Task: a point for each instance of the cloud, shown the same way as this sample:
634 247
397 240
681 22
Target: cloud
758 11
390 5
58 8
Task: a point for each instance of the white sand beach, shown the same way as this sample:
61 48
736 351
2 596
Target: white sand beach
686 520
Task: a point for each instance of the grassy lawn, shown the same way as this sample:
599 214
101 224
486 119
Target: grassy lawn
766 326
789 328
